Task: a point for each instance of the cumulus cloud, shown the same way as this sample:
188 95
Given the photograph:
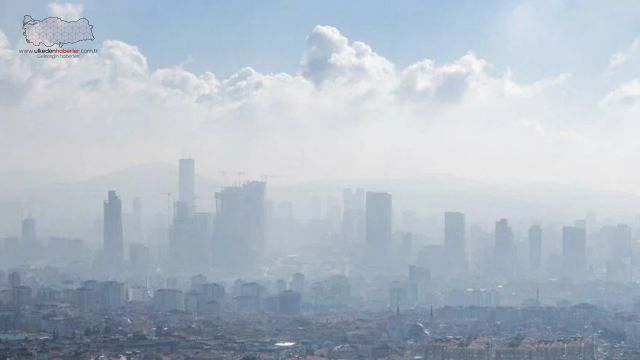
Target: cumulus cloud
66 11
347 112
331 57
449 82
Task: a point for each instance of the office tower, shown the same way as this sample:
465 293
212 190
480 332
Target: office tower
535 247
186 191
504 234
29 230
618 244
111 294
378 228
139 258
136 221
618 239
182 239
419 284
454 242
239 227
289 302
353 215
190 235
574 252
505 250
113 237
168 300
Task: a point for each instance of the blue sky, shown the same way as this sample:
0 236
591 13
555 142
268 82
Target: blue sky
533 38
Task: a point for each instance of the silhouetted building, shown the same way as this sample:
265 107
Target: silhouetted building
113 237
378 228
505 250
454 242
111 294
353 215
29 230
240 227
139 258
136 234
574 252
289 302
168 300
617 240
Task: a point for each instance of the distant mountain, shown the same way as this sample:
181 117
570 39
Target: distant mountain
434 194
62 207
16 181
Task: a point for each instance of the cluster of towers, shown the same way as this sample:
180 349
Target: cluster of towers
232 238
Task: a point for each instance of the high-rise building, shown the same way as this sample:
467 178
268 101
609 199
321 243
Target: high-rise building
504 234
139 258
240 226
353 215
378 228
136 234
186 191
618 240
574 252
190 235
505 250
535 247
111 294
29 230
454 242
113 237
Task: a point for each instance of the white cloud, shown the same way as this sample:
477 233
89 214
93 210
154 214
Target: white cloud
66 11
4 42
616 60
620 58
624 97
348 112
330 57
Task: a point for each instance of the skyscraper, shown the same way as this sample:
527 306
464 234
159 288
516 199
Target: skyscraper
574 252
619 241
378 227
535 247
186 191
29 230
190 235
454 242
353 215
113 237
505 250
136 234
239 226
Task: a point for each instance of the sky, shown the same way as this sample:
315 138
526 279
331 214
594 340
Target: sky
499 91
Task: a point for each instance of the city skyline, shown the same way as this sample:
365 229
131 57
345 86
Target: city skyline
366 179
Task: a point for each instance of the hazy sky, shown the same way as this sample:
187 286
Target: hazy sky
507 91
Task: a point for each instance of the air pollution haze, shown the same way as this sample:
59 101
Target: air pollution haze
335 180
